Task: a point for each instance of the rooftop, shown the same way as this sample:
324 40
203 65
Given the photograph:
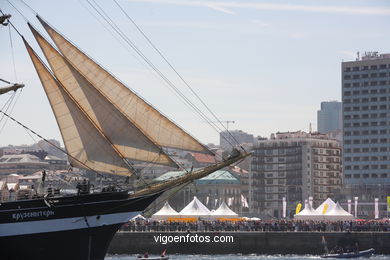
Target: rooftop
221 176
20 158
203 158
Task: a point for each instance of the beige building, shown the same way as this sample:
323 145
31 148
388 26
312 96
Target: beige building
297 166
21 164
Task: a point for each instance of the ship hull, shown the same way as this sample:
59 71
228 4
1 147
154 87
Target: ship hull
78 227
90 243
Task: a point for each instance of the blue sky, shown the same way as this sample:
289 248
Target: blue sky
266 65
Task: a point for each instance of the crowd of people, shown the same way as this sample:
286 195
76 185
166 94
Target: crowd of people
257 226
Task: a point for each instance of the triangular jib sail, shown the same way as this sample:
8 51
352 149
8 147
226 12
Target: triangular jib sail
86 146
127 140
151 122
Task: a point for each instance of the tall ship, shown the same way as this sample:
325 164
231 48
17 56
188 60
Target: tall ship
105 127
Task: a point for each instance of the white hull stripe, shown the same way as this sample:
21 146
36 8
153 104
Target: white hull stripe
63 224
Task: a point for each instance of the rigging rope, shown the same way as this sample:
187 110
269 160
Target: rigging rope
176 72
12 108
139 178
118 30
7 103
115 27
126 47
12 54
179 188
54 145
112 24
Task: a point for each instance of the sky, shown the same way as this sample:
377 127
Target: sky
266 65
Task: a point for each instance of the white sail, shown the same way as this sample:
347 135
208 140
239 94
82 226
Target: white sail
129 141
85 144
150 121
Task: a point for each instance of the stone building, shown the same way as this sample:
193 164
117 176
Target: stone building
222 185
294 165
21 164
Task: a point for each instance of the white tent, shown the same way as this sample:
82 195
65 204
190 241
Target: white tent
308 213
331 204
138 217
224 212
337 213
195 209
165 212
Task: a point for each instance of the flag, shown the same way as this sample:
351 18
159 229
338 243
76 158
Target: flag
216 203
349 206
229 202
207 200
311 201
298 208
356 204
376 208
284 207
244 202
388 203
326 206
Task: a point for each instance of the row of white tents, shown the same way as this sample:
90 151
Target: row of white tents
327 211
195 209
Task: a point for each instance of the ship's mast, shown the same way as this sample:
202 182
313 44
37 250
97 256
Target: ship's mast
12 86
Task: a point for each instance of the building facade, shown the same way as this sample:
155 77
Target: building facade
295 166
366 111
366 131
211 190
234 137
21 164
329 118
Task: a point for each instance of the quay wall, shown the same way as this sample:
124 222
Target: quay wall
248 242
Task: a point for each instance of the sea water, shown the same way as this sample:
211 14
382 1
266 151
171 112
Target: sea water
235 257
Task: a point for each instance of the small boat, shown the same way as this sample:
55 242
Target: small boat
146 256
153 258
364 253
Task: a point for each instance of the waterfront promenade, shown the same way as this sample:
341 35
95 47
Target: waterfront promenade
258 226
248 242
251 237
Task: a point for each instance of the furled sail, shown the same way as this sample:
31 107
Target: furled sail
127 139
150 121
85 144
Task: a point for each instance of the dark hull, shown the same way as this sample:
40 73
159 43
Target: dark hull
71 228
63 245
